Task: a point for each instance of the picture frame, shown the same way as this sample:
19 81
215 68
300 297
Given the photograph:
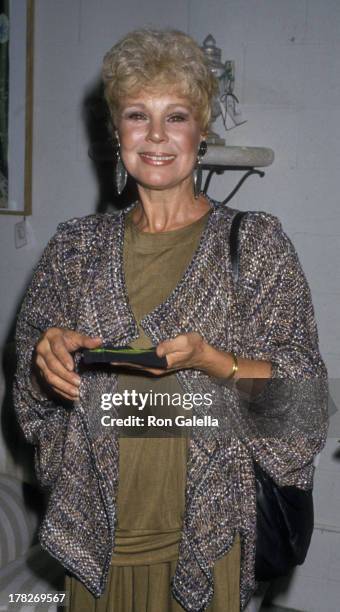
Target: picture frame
16 106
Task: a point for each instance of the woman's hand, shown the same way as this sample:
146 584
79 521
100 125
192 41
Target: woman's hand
184 351
54 363
189 351
192 351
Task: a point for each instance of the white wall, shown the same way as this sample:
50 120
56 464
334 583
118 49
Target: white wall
287 57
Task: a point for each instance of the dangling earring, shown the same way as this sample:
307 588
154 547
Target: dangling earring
120 170
198 174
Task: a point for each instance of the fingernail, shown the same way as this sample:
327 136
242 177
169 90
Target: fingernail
77 381
75 393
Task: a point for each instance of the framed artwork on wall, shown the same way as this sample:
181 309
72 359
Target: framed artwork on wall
16 106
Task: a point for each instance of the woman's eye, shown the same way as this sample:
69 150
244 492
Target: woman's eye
177 118
136 116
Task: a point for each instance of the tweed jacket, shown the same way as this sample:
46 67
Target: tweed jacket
79 284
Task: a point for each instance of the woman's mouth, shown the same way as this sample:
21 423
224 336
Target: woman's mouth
157 159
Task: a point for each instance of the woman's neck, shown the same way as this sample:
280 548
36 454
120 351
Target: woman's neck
166 210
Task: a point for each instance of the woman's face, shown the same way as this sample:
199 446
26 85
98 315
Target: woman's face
159 139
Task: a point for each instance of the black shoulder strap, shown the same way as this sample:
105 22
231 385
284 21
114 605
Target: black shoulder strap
234 243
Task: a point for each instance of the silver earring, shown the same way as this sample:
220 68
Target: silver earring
198 173
120 172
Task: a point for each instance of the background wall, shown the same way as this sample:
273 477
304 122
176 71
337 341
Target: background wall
287 58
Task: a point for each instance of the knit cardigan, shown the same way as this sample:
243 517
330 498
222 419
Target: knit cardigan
79 284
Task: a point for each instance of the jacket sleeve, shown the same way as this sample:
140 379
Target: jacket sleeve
280 327
280 323
42 418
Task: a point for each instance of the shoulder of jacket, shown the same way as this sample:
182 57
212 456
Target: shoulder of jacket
263 247
81 233
256 225
261 219
253 219
86 226
264 230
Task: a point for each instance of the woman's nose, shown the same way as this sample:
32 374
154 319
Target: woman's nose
156 132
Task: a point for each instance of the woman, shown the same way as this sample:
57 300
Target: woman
171 511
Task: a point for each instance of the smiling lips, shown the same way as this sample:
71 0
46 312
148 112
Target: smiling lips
157 159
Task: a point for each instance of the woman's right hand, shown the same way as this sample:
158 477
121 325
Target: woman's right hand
54 363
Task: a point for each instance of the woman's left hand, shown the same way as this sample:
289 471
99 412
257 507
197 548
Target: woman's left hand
188 351
184 351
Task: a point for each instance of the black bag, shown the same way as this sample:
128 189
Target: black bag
285 515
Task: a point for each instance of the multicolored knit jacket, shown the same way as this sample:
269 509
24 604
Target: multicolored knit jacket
79 284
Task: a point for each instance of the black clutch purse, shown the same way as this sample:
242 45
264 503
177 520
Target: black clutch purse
284 515
124 354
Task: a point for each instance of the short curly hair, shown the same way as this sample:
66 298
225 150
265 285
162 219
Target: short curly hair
156 61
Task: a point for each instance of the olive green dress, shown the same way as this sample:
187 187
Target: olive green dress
152 470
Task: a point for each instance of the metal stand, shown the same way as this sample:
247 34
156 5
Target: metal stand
220 170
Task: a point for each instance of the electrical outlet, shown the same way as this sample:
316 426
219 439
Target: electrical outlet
20 234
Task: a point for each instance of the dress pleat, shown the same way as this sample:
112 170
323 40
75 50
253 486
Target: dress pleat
146 588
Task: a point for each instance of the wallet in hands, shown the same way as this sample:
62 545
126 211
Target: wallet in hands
125 354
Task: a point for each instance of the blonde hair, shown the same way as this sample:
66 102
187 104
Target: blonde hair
156 60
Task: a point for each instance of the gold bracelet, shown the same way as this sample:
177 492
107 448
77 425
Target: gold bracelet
235 366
